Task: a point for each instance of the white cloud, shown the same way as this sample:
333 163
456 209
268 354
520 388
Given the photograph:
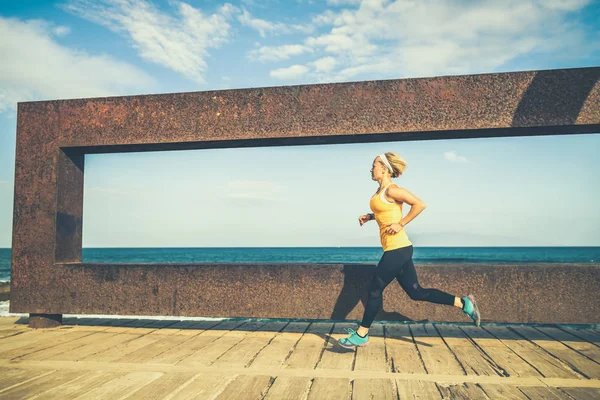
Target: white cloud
566 5
324 64
342 2
35 67
267 53
290 73
425 38
265 27
342 44
453 157
61 30
180 42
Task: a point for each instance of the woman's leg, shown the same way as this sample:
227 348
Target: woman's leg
386 271
409 282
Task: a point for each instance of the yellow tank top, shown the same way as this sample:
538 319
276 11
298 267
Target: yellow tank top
387 213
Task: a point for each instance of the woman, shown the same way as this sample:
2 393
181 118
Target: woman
396 261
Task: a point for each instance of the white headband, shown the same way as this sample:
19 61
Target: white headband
386 162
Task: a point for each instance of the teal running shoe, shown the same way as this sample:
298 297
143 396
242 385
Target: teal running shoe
353 340
470 308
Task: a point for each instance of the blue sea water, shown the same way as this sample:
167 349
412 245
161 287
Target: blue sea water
327 255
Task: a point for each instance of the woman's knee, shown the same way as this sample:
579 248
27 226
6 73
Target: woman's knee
416 292
377 285
375 293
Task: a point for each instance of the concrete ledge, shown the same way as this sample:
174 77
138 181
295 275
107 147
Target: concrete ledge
526 293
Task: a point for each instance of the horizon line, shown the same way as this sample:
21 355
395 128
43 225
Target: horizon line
318 247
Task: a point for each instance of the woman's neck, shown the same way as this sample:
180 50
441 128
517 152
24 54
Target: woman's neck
384 182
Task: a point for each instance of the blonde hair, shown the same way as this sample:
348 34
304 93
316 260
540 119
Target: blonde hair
398 164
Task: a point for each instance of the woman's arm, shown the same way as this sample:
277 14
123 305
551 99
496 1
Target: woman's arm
363 219
401 195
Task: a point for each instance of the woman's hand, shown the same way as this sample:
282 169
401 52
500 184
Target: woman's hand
394 228
363 219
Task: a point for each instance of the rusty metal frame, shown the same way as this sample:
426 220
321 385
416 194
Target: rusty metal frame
53 137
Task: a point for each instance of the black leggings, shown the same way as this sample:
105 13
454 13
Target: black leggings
398 264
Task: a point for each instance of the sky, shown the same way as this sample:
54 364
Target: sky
528 191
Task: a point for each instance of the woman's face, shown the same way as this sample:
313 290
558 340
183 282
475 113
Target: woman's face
377 170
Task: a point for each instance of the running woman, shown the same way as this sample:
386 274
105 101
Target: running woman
396 261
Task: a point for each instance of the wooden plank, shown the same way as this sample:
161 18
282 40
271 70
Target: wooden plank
8 321
472 359
11 332
210 325
421 390
576 361
14 376
132 326
582 346
242 354
591 335
129 342
280 347
41 384
505 392
374 389
64 347
126 326
39 346
81 321
208 354
11 376
329 389
121 322
106 321
289 387
179 352
246 387
95 344
28 338
147 353
182 327
542 393
503 357
140 326
402 351
78 387
308 350
437 357
464 391
546 364
164 386
373 356
583 393
122 386
158 323
203 387
335 356
57 345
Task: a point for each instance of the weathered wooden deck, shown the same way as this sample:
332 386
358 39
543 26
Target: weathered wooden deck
166 359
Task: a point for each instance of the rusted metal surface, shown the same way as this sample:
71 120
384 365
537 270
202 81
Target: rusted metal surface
527 293
54 136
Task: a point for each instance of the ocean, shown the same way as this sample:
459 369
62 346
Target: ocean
328 255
